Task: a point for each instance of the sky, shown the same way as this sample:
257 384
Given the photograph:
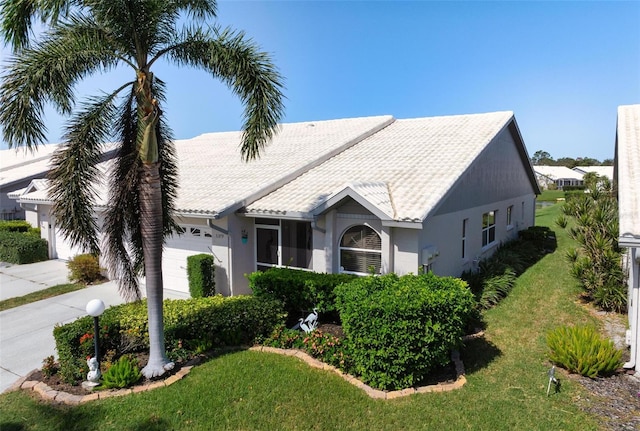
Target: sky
562 67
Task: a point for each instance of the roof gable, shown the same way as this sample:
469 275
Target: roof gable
372 195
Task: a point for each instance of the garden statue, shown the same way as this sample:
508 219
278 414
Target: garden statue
93 376
310 323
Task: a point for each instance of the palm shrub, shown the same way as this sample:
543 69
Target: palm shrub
122 373
398 329
597 262
580 349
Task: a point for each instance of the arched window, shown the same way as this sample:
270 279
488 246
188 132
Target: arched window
360 251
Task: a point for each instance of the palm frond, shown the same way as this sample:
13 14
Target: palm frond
17 17
74 172
48 73
248 72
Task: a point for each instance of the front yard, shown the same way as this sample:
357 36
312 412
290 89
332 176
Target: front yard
506 386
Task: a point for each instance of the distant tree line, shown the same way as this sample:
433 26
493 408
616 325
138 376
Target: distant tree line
543 158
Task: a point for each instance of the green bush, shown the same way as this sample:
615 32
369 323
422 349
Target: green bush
398 329
19 248
214 321
122 374
15 226
580 349
200 271
300 291
84 268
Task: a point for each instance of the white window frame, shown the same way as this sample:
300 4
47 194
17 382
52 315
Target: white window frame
364 250
489 228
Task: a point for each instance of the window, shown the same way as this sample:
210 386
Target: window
509 213
488 228
283 243
360 251
464 237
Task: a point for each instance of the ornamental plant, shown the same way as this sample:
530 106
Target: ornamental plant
580 349
123 373
398 329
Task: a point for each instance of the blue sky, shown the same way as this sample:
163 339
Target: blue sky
562 67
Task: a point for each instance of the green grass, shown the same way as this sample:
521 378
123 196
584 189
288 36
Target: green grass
59 289
550 195
506 388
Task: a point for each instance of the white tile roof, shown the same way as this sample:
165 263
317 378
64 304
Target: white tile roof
628 173
601 171
557 172
18 164
417 160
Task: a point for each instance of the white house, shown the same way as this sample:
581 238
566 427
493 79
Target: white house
601 171
353 195
17 168
561 176
627 179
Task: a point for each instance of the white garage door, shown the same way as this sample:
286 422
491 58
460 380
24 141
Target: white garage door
63 247
194 240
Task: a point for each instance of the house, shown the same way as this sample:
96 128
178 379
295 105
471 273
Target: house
358 195
627 180
601 171
17 168
561 176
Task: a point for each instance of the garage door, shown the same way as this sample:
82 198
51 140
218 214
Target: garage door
194 240
64 250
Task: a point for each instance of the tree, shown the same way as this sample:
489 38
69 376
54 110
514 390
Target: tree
85 37
542 158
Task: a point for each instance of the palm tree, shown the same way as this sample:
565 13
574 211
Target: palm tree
85 37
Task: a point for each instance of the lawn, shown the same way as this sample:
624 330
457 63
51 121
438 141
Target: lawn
550 196
506 388
39 295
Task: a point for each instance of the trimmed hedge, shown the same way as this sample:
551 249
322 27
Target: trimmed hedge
200 271
19 248
398 329
15 226
214 320
300 291
84 268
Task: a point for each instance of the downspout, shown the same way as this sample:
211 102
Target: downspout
634 304
229 263
314 225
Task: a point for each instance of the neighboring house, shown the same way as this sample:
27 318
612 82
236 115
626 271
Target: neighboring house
17 168
601 171
627 179
561 176
359 195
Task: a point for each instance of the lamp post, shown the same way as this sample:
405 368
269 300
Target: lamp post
95 308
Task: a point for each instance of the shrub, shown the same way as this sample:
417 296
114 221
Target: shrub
580 349
122 374
398 329
213 321
15 226
200 271
84 268
300 291
19 248
49 366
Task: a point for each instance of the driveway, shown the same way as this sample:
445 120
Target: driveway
26 332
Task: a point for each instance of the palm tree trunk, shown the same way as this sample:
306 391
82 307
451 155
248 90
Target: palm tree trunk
151 227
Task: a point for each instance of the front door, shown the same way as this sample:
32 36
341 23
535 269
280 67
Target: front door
267 247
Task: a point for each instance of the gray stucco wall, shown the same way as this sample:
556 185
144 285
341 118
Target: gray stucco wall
498 174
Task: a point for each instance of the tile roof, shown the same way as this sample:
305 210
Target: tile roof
19 164
628 173
416 160
214 179
602 171
557 172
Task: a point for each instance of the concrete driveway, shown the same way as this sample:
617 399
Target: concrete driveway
26 332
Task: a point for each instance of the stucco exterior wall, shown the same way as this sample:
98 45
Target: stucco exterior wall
497 175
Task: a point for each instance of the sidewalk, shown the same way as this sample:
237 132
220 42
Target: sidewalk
26 332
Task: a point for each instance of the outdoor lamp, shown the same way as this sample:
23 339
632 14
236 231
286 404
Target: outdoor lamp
95 308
